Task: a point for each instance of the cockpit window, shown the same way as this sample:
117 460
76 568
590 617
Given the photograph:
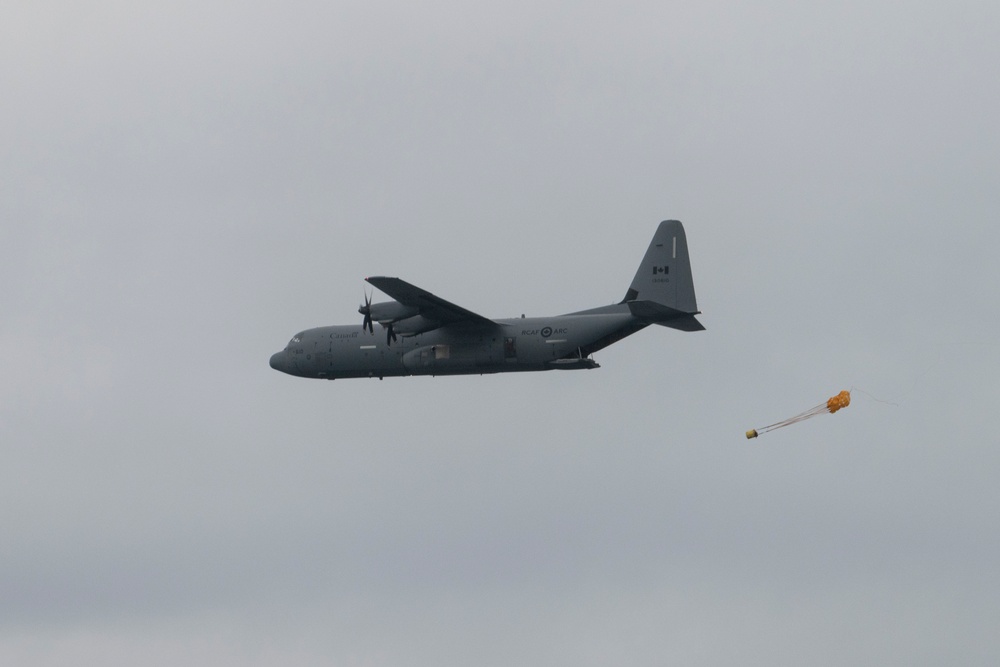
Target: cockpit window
295 341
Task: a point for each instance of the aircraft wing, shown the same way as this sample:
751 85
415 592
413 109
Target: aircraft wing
432 307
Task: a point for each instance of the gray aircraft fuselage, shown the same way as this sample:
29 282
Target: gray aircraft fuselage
425 335
522 344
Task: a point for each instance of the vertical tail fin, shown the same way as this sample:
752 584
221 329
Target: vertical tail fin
663 288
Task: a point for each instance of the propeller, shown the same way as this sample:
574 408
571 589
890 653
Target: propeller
389 334
366 310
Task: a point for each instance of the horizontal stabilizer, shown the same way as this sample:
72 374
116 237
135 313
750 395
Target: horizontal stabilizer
657 313
684 323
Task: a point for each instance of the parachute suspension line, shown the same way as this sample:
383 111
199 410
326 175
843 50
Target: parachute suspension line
802 416
832 404
875 398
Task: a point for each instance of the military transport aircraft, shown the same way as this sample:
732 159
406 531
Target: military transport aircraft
426 335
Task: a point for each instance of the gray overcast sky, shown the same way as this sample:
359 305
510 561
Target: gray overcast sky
183 188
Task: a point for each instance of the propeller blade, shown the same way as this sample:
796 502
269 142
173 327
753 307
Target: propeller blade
366 310
390 335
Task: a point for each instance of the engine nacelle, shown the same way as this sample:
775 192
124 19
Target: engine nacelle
388 312
411 326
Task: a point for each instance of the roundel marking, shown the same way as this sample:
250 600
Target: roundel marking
546 332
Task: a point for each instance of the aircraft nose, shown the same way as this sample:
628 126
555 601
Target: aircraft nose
278 361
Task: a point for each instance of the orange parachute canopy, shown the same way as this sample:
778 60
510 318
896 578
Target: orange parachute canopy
841 400
834 403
